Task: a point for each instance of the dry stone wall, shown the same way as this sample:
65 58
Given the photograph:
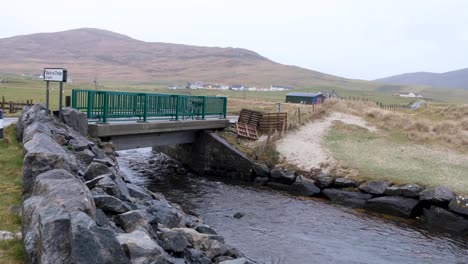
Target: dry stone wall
79 208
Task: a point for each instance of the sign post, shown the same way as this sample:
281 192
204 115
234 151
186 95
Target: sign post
55 75
47 98
1 124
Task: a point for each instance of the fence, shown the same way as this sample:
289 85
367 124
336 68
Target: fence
103 105
13 107
390 107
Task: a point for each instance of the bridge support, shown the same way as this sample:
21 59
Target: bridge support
211 155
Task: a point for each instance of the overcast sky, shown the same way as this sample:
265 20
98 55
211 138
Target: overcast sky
363 39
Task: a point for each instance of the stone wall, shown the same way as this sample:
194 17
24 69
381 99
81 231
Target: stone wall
79 208
212 155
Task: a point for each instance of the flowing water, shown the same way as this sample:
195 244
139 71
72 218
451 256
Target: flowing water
279 228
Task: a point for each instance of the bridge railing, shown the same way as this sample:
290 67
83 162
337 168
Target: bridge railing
104 105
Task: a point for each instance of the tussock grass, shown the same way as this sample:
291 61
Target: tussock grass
396 158
11 160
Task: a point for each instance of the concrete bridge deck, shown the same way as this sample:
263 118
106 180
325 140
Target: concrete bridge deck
130 135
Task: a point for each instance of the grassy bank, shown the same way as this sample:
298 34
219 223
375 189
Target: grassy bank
11 159
394 157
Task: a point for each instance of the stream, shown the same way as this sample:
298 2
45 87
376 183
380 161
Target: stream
282 229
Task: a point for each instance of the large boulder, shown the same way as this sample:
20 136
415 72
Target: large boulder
59 224
282 176
208 244
374 187
138 192
110 204
31 114
394 205
439 195
61 237
446 220
174 242
195 256
261 170
324 180
57 188
409 190
113 186
96 169
347 198
133 220
76 120
345 183
305 187
459 205
43 154
140 248
165 214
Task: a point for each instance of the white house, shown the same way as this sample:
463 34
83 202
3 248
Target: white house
411 95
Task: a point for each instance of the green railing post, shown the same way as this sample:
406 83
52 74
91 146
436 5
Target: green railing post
88 109
177 108
73 102
224 107
106 106
203 108
145 108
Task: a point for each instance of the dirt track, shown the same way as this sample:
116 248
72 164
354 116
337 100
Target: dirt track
303 147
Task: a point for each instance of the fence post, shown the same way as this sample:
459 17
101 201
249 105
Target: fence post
203 108
88 110
145 108
1 124
224 107
177 108
73 103
12 107
106 105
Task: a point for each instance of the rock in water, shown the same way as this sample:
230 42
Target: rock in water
282 176
305 187
409 191
440 195
394 205
347 198
446 220
238 215
374 187
345 183
459 205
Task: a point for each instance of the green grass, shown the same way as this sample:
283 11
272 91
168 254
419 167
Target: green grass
11 160
20 89
395 158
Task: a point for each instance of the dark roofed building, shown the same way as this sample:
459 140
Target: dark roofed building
305 98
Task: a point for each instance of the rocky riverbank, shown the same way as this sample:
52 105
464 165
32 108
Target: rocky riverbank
79 208
437 206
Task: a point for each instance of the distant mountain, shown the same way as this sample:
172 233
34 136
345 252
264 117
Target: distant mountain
93 53
452 79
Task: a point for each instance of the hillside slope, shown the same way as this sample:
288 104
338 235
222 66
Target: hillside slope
452 79
94 53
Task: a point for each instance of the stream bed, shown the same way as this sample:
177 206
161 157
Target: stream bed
282 229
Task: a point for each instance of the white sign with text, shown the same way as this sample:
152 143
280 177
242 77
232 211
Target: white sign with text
55 75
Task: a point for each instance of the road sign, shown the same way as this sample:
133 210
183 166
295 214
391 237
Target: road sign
55 74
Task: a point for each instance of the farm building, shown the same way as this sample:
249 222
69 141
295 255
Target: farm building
305 98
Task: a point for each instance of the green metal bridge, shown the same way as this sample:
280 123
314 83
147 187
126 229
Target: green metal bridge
104 106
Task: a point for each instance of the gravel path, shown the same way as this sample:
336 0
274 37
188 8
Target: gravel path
303 147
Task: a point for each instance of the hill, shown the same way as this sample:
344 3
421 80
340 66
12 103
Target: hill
93 53
452 79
